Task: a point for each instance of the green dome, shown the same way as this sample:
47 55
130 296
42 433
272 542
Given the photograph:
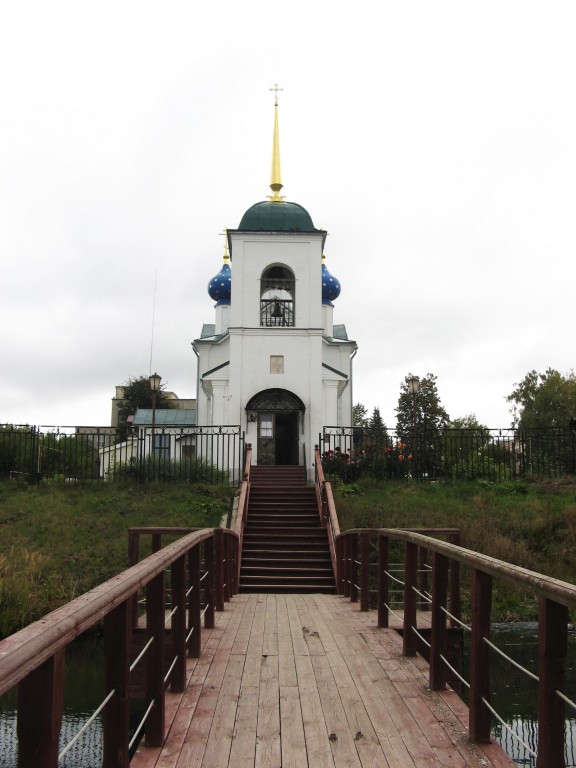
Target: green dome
276 217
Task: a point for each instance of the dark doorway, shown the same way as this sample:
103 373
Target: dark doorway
278 414
286 441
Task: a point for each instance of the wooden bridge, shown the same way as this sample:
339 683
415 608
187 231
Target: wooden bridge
309 680
287 676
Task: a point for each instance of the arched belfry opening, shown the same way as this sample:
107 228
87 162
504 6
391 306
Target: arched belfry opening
277 286
279 415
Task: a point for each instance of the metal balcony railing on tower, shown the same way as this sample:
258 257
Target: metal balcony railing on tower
276 312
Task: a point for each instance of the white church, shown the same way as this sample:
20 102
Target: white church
273 361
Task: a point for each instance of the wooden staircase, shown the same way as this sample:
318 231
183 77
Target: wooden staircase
285 548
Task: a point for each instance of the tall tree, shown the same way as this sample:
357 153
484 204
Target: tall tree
138 394
420 421
359 415
544 400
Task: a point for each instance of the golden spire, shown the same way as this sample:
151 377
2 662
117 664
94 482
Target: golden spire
276 179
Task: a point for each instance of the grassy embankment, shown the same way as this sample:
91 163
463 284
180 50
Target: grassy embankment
58 541
528 524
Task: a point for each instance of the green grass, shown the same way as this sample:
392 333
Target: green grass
531 525
59 541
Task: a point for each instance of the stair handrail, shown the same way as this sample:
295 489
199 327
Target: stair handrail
326 508
243 500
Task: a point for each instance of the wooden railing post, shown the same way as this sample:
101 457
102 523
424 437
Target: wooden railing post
410 598
423 576
347 568
178 625
340 566
552 647
209 558
40 701
133 558
438 670
353 567
383 581
455 606
194 610
117 644
219 568
365 571
154 728
479 714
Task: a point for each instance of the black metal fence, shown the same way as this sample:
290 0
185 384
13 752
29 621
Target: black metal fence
212 454
469 454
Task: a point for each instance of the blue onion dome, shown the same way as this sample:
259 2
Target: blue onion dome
220 287
330 286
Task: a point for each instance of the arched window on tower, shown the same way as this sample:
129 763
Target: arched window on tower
277 297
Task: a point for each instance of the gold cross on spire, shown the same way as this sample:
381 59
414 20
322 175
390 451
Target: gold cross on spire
276 88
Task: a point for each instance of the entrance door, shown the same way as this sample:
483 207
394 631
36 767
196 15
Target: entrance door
278 438
279 412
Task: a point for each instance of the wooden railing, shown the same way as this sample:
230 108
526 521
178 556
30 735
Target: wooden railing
202 564
243 500
555 598
327 507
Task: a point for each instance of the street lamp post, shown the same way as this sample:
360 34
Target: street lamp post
413 383
154 380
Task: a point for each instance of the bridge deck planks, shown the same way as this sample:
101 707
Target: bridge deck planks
308 680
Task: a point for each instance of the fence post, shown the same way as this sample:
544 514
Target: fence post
40 701
410 598
479 715
365 571
438 632
117 644
383 581
154 727
552 646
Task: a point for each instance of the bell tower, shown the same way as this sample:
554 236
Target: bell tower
273 361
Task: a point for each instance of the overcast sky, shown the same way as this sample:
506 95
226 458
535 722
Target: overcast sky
435 141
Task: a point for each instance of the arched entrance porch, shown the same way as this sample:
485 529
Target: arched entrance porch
280 416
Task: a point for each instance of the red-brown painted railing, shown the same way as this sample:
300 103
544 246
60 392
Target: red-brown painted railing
555 598
33 658
326 506
242 509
